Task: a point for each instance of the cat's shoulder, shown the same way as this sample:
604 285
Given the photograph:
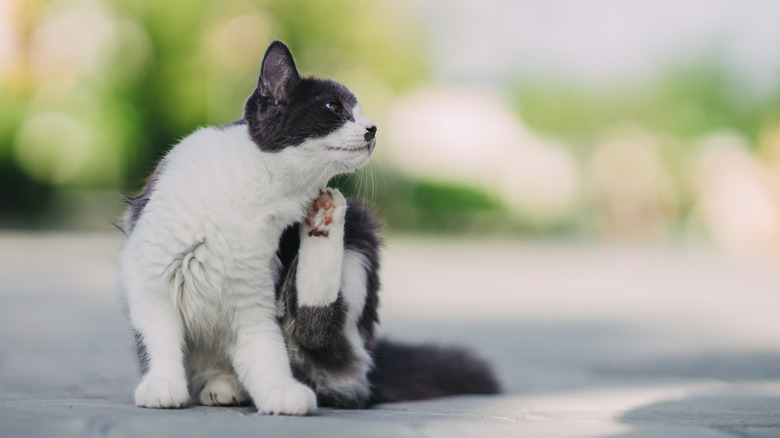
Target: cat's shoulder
212 151
213 141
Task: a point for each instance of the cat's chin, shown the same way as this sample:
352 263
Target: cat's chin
347 168
366 148
347 159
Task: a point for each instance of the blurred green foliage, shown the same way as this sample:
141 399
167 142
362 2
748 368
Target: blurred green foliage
686 102
99 90
424 206
94 92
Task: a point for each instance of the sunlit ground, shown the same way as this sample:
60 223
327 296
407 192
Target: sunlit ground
613 340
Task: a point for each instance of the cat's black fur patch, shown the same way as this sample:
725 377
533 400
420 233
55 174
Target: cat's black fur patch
320 332
141 353
138 202
287 252
286 109
416 372
318 327
341 401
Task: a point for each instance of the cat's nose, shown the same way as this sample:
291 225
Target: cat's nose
370 133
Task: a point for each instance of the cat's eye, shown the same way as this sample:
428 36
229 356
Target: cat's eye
335 107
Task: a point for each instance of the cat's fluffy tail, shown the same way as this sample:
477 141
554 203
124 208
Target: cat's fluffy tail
416 372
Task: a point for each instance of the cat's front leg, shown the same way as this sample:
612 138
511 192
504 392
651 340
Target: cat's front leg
159 339
320 310
261 363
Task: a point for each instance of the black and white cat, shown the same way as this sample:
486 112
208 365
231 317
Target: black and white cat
246 278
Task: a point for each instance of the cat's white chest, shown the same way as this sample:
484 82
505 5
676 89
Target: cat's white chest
218 212
215 278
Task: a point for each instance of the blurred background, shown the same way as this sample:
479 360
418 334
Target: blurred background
602 120
569 187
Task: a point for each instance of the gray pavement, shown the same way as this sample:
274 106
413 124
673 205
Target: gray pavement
588 342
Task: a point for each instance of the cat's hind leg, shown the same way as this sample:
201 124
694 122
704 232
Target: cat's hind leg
213 379
321 250
320 310
223 390
327 289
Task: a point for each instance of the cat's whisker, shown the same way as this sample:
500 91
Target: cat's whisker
373 187
367 178
359 182
368 181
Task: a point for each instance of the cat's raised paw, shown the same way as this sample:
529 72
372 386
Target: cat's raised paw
222 390
290 399
161 393
325 212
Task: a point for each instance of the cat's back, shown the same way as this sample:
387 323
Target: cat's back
212 159
212 166
205 181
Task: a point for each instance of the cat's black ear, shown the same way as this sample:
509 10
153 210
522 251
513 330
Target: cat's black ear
278 73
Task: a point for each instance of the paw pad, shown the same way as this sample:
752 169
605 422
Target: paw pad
327 207
222 390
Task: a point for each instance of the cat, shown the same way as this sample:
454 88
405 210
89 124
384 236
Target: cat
247 279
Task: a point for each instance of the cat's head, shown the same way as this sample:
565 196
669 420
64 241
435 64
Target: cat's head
320 118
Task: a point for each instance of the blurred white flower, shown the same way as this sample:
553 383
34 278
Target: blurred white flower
630 189
473 138
77 38
9 44
735 201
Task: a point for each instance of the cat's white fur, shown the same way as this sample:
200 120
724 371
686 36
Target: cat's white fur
319 287
198 269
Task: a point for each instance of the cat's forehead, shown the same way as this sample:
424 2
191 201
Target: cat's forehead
326 90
